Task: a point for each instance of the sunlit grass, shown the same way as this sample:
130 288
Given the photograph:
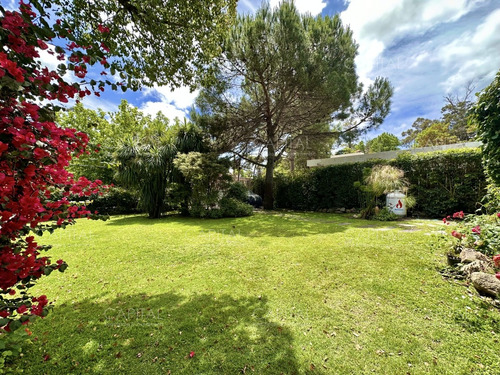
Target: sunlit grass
274 293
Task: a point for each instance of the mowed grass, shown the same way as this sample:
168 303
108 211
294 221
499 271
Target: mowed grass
276 293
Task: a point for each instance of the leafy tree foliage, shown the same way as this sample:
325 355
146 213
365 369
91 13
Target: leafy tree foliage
486 115
384 142
453 126
455 113
436 134
207 176
107 132
280 76
154 41
145 162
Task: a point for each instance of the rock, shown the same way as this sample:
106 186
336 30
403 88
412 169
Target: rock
486 283
476 266
470 255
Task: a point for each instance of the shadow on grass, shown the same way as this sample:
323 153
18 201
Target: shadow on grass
151 335
262 224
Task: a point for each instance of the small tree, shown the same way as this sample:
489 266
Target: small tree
384 142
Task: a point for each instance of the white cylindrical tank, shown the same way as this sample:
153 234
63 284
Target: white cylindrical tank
395 202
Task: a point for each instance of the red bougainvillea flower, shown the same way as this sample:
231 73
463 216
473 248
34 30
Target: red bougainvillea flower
459 215
456 234
192 354
498 215
498 275
496 260
22 309
476 230
103 29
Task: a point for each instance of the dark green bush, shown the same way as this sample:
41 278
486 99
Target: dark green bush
237 191
232 207
115 201
441 182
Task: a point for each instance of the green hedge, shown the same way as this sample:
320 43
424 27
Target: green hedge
442 182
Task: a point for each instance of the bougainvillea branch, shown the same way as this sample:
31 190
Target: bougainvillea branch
35 187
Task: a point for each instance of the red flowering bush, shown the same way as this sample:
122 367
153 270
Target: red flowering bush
478 232
35 187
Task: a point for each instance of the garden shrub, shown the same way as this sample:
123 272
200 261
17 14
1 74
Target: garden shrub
486 116
385 215
212 193
232 207
115 201
441 182
491 201
237 191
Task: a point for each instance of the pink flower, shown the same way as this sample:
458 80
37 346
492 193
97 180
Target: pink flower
476 230
456 234
498 275
496 260
191 354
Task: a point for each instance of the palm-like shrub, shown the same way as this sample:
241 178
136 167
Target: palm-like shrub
146 167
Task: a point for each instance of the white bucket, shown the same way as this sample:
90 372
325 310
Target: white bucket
396 204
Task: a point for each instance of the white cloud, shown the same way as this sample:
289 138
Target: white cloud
473 54
170 111
314 7
172 104
377 24
95 103
248 5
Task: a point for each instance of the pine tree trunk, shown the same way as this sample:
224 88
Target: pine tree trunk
268 184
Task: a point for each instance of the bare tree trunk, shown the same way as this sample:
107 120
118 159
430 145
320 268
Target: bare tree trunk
268 202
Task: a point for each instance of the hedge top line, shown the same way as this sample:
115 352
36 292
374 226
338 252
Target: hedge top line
386 155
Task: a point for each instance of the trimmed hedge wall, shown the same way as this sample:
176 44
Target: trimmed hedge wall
442 182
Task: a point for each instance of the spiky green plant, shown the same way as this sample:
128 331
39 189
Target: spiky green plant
382 179
385 178
147 167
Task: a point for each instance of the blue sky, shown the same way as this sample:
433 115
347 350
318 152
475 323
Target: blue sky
426 48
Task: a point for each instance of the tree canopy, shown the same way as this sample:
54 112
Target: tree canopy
283 76
384 142
148 42
486 115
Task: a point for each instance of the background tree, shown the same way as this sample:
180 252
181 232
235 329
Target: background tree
106 132
486 116
419 125
453 126
384 142
455 113
280 76
436 134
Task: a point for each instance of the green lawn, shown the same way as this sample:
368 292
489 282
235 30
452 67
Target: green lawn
274 293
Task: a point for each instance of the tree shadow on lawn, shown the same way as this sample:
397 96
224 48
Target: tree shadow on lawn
268 224
139 334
